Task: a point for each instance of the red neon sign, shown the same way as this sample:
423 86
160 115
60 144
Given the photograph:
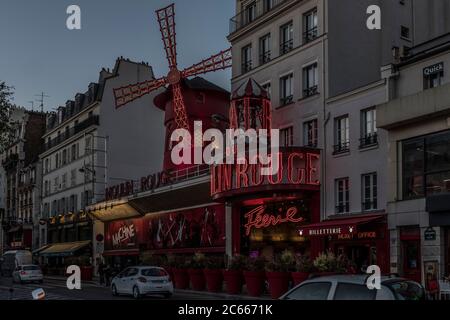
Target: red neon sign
258 219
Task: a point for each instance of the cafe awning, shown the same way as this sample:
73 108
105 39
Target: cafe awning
64 249
37 251
348 225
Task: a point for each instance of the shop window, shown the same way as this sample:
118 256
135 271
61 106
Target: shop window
310 80
311 291
350 291
342 135
286 89
342 195
369 134
426 165
310 133
433 76
369 192
287 137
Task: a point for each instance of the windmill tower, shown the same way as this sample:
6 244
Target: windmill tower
184 101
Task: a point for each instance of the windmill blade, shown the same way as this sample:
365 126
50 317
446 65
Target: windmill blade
166 19
125 95
179 108
219 61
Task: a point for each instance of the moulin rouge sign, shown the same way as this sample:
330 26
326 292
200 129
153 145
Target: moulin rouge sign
298 170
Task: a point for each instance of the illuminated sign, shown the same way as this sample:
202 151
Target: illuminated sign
327 231
258 218
299 168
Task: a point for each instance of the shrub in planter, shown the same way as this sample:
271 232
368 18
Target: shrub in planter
278 274
327 263
255 275
303 268
179 270
233 274
213 273
196 265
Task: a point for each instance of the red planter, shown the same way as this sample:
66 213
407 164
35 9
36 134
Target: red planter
299 277
278 283
214 280
181 278
233 280
87 273
255 282
198 281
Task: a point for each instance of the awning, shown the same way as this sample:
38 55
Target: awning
338 226
37 251
64 249
130 252
15 229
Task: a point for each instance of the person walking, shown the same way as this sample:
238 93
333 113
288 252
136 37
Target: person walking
107 272
101 272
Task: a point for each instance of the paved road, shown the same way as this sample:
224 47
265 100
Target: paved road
56 289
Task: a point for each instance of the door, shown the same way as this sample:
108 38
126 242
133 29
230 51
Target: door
411 260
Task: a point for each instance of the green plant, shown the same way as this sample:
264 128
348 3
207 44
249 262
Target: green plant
198 261
256 264
214 263
285 262
303 263
237 262
326 262
148 259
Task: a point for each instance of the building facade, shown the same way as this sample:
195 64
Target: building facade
417 121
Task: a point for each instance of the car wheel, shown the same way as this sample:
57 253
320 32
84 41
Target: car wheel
167 295
114 290
136 293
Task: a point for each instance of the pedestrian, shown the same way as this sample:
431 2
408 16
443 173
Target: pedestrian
101 272
108 271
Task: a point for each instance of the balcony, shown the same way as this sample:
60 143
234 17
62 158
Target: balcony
286 100
343 208
310 91
91 121
246 66
286 46
310 35
264 57
341 147
253 12
369 140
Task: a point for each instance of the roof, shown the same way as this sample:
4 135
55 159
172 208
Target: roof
251 88
348 278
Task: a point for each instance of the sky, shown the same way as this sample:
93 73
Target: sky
39 54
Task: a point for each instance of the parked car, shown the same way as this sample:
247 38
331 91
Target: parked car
12 259
353 287
28 273
141 281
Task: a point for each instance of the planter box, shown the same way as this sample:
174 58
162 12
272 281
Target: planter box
233 280
255 282
214 280
181 278
197 278
299 277
278 283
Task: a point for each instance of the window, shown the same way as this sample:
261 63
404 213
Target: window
88 145
64 181
47 167
310 80
247 59
404 32
369 192
342 196
310 26
433 76
57 160
342 135
311 291
264 49
64 157
350 291
426 165
56 184
73 153
369 134
268 5
73 177
287 137
286 38
286 93
310 134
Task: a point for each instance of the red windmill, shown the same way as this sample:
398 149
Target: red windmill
175 77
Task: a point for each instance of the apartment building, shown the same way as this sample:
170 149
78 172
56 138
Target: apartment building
322 68
417 121
20 164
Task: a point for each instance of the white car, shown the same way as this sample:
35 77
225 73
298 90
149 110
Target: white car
141 281
28 273
353 287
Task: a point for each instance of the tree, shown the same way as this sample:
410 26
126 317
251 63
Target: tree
5 109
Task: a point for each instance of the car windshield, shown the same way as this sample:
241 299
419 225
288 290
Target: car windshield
153 272
30 268
406 290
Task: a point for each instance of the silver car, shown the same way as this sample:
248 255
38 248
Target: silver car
141 281
28 273
353 287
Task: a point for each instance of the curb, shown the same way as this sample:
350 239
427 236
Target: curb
221 295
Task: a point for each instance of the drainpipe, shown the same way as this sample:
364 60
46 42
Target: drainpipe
325 116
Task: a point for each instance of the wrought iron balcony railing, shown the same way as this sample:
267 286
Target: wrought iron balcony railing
253 12
286 100
368 140
286 46
341 147
264 57
310 35
308 92
246 66
343 208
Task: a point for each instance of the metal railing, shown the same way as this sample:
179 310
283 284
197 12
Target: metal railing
264 57
310 35
286 46
343 208
91 121
286 100
246 66
341 147
308 92
253 12
368 140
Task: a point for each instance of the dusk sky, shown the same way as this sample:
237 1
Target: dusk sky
38 53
